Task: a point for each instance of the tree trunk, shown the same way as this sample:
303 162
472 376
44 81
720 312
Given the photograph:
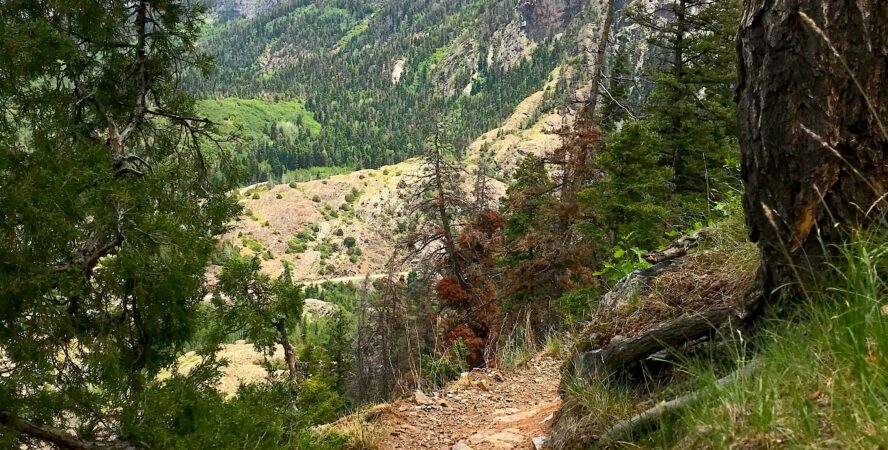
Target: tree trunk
289 353
449 245
678 60
579 151
813 97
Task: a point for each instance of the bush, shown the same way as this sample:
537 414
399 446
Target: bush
316 199
349 242
255 196
253 244
296 245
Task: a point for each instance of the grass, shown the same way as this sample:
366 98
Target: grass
823 382
718 273
820 378
314 173
366 428
253 245
518 352
251 116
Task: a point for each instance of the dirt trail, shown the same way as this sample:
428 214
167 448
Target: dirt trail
488 409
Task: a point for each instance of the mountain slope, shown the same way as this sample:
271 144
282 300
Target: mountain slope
363 69
367 204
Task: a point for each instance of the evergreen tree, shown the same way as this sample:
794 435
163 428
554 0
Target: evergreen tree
266 311
692 105
666 169
109 212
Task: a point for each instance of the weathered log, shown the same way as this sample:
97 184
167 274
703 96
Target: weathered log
672 334
678 248
59 437
648 418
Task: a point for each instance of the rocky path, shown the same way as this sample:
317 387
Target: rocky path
486 409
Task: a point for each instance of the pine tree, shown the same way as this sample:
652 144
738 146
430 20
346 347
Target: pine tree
692 104
666 169
266 311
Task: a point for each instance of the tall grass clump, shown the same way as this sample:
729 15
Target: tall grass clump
820 381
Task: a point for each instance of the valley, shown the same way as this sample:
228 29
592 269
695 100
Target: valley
443 224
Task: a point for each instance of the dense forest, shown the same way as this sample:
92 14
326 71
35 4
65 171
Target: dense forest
361 68
700 262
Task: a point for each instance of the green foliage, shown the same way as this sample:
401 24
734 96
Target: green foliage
293 176
253 245
623 261
259 415
254 116
337 56
111 211
634 197
256 305
439 370
299 243
819 381
578 305
669 168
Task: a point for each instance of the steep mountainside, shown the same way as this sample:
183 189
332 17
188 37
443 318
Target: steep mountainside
377 75
305 224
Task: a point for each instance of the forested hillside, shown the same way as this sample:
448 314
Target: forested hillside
361 68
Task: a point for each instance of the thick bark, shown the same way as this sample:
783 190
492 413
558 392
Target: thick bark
813 98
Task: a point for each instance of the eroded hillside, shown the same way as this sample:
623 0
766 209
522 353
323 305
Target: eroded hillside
307 225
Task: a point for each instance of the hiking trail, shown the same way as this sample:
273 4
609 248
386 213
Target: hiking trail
486 409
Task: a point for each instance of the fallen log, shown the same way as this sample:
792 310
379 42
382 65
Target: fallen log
649 417
672 334
678 248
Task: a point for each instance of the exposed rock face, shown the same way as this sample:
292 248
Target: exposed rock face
398 70
539 18
232 9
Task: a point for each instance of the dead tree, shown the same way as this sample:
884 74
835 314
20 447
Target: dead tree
813 101
437 199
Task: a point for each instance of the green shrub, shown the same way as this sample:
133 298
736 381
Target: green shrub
253 244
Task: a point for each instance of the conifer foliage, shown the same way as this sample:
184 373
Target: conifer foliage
113 194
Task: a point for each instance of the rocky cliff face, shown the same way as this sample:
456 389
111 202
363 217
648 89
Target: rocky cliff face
540 18
232 9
